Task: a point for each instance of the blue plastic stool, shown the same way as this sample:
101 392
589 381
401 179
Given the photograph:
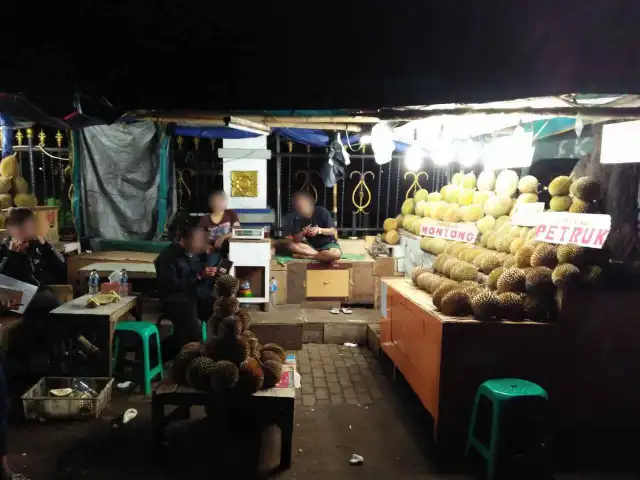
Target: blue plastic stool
146 331
204 327
499 392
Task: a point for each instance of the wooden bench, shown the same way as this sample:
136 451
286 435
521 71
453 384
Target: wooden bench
275 405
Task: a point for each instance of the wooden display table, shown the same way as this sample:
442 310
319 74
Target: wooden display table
445 359
274 404
101 320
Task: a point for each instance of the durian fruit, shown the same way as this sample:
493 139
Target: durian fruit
570 253
502 222
399 220
560 186
438 211
5 200
227 285
464 271
272 373
527 198
511 306
19 185
479 198
233 349
485 224
423 280
25 200
578 206
457 179
528 184
538 280
455 303
407 206
489 263
485 305
492 280
269 355
187 354
230 326
465 196
515 245
539 308
416 272
390 224
9 166
448 266
439 262
468 180
436 283
224 376
592 274
275 348
250 376
225 306
254 345
5 185
503 243
450 195
451 215
509 261
565 275
434 197
245 318
586 189
443 289
471 213
497 206
420 194
544 255
486 180
391 237
420 206
511 280
507 183
560 203
198 374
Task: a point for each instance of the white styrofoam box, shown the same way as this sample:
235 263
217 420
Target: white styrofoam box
400 265
246 164
251 143
249 254
397 251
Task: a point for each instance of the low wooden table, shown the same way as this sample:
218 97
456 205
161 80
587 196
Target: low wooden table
274 404
101 320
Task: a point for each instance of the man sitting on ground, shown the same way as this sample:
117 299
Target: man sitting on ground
309 231
185 287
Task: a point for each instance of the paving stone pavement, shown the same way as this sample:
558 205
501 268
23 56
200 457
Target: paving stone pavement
335 375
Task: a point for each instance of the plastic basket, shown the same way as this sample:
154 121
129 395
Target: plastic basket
39 404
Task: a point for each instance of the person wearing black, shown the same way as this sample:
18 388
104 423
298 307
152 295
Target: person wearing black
185 287
309 231
29 258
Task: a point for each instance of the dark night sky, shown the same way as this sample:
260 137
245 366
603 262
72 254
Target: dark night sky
323 54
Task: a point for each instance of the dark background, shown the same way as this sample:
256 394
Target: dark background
286 55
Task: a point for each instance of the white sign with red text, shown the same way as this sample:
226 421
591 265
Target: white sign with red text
584 229
461 232
526 214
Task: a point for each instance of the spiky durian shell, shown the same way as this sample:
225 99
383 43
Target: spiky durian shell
417 272
544 255
275 348
489 263
511 280
245 318
224 376
586 189
9 166
227 285
494 275
19 185
511 306
233 349
224 306
230 326
538 280
485 305
565 275
579 206
560 186
539 308
455 303
442 290
571 253
267 355
528 184
181 362
251 376
561 203
198 373
272 373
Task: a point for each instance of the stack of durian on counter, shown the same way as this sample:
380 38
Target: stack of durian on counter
14 189
232 359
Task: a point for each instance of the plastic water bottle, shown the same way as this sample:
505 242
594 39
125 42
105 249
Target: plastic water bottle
94 282
273 288
124 283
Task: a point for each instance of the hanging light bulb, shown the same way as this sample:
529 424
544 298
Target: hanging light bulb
365 139
382 143
345 154
413 158
469 153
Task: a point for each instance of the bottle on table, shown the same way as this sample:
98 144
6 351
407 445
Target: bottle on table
124 283
273 288
94 282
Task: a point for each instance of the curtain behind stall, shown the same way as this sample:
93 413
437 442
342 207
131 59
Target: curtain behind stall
120 172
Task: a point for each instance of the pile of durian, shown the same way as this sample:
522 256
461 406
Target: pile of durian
232 360
488 201
473 280
14 189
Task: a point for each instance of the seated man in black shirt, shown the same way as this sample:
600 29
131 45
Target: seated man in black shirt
185 287
309 231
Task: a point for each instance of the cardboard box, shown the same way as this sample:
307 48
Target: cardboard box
384 267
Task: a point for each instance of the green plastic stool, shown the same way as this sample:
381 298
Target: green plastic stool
499 392
145 330
204 328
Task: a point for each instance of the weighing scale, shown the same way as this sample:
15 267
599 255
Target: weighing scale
247 233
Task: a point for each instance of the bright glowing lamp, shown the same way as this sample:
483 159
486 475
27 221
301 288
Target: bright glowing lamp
514 151
382 143
365 139
468 153
443 154
345 154
413 158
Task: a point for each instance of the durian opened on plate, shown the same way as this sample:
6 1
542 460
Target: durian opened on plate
506 274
